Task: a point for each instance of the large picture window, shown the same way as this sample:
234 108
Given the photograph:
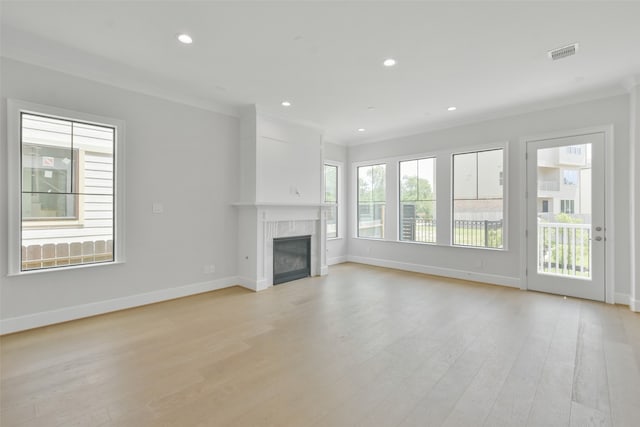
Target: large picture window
331 198
65 176
371 200
418 200
478 199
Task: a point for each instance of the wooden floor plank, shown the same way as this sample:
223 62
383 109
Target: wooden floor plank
363 346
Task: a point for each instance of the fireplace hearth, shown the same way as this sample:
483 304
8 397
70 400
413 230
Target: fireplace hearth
291 258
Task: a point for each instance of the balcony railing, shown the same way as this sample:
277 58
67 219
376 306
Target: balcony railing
479 233
564 249
549 185
418 230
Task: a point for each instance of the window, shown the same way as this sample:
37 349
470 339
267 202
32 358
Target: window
478 199
574 149
371 200
63 209
570 177
331 197
567 206
48 173
418 200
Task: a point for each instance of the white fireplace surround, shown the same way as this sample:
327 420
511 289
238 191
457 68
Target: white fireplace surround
274 220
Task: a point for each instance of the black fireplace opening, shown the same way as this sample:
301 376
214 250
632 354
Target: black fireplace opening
291 258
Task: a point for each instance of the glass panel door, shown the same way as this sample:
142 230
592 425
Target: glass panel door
566 216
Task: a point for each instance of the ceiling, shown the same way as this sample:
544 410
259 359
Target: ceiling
485 58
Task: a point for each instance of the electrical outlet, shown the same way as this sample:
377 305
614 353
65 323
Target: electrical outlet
208 269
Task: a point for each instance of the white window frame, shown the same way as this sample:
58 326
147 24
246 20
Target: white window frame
505 192
356 197
14 110
339 192
436 158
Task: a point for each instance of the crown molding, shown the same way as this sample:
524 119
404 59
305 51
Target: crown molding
24 47
516 110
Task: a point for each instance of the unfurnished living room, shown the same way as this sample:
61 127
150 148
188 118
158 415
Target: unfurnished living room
319 213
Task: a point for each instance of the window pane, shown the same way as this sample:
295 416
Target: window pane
67 192
330 184
409 180
417 200
570 177
371 201
465 176
478 212
490 174
331 196
332 222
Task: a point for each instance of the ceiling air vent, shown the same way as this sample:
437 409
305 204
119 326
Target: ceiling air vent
563 52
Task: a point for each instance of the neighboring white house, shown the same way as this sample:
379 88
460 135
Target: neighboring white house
67 192
564 181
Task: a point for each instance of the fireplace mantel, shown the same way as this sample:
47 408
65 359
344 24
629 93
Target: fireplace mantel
261 222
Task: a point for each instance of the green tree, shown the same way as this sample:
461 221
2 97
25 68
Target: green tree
371 183
417 191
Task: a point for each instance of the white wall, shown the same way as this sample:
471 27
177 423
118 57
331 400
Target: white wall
184 157
490 265
634 108
288 162
337 248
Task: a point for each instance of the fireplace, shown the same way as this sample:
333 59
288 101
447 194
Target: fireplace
291 258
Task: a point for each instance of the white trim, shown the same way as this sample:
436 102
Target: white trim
621 298
337 260
504 146
447 123
494 279
14 109
339 189
247 283
607 130
634 305
523 214
45 318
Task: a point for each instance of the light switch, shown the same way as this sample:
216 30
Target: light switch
157 208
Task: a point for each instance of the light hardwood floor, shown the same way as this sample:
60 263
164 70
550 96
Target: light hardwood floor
363 346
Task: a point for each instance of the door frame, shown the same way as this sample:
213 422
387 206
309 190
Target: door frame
609 208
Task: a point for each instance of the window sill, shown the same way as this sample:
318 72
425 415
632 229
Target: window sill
62 223
409 242
62 268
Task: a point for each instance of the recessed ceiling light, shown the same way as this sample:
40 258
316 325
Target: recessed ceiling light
286 104
361 129
185 38
389 62
451 109
371 108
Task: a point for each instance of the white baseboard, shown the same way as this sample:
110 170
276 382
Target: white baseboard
324 270
634 305
45 318
493 279
337 260
620 298
248 283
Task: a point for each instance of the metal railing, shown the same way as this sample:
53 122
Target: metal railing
564 249
549 185
480 233
418 230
